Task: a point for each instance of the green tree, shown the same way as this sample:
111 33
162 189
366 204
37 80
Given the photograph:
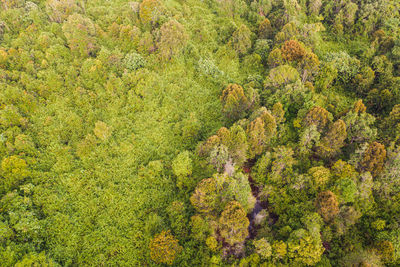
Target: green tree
320 176
302 249
102 130
13 171
385 250
219 157
263 248
359 124
150 11
333 140
233 223
281 76
256 137
182 168
177 216
234 102
59 10
364 79
275 58
207 195
241 41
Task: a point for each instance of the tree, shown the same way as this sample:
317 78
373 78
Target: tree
275 58
327 205
281 76
281 169
279 249
35 260
263 248
362 258
346 65
238 188
13 171
302 249
359 124
199 227
256 137
219 157
333 140
374 158
265 30
234 102
241 41
150 11
177 216
278 112
173 39
347 217
261 169
233 223
164 248
385 250
346 189
206 197
59 10
269 123
236 142
364 79
102 130
293 51
134 61
314 7
320 176
392 122
319 117
182 168
80 33
309 65
359 107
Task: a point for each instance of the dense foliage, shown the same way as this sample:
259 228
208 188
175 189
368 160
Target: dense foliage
199 133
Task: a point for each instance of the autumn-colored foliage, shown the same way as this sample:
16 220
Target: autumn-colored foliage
359 107
374 158
265 30
164 248
317 116
327 205
293 51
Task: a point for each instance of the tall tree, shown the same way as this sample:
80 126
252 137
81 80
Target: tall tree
374 158
173 39
234 102
233 223
164 248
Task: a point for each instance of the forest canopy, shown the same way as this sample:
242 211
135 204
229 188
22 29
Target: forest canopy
199 133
